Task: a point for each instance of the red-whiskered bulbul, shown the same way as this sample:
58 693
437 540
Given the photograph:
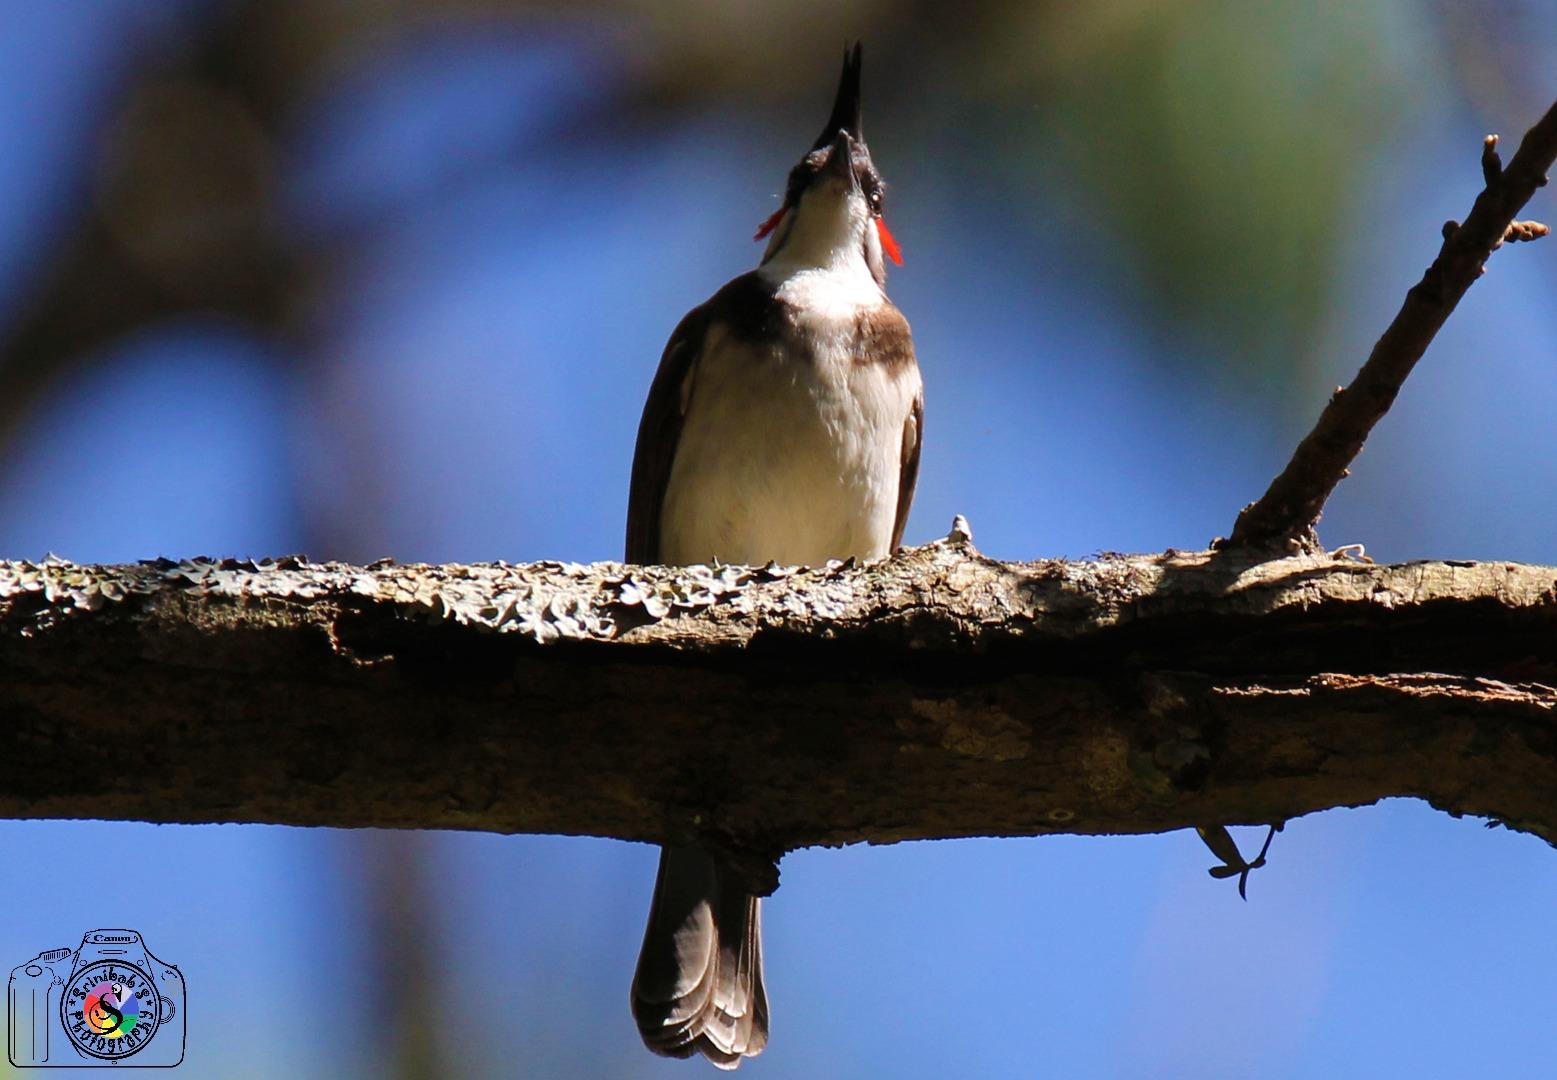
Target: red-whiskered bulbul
783 425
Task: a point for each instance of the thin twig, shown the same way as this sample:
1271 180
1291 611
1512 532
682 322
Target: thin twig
1289 509
1224 847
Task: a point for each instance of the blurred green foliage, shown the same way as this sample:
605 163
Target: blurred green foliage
1214 149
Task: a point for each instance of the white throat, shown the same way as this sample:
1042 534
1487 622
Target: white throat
825 242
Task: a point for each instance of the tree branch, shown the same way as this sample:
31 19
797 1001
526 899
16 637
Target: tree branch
1290 507
938 694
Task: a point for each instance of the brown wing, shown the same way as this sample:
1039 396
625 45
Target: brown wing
745 305
659 432
908 475
884 339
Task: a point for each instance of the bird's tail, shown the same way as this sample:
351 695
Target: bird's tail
699 983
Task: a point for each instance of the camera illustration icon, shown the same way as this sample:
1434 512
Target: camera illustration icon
108 1002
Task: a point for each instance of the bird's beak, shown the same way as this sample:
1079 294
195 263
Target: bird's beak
846 106
840 162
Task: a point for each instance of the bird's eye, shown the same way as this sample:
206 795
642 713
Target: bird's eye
875 200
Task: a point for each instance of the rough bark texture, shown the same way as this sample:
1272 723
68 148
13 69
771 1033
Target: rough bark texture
938 694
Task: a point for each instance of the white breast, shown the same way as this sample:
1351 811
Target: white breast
793 458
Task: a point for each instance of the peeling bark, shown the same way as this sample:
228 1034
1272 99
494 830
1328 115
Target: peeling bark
938 694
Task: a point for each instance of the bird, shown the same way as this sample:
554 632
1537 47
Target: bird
783 425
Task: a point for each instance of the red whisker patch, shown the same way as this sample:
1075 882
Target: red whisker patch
772 223
888 242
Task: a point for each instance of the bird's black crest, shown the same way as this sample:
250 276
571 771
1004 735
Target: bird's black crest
846 107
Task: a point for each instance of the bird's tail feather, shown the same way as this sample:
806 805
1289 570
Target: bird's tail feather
699 987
